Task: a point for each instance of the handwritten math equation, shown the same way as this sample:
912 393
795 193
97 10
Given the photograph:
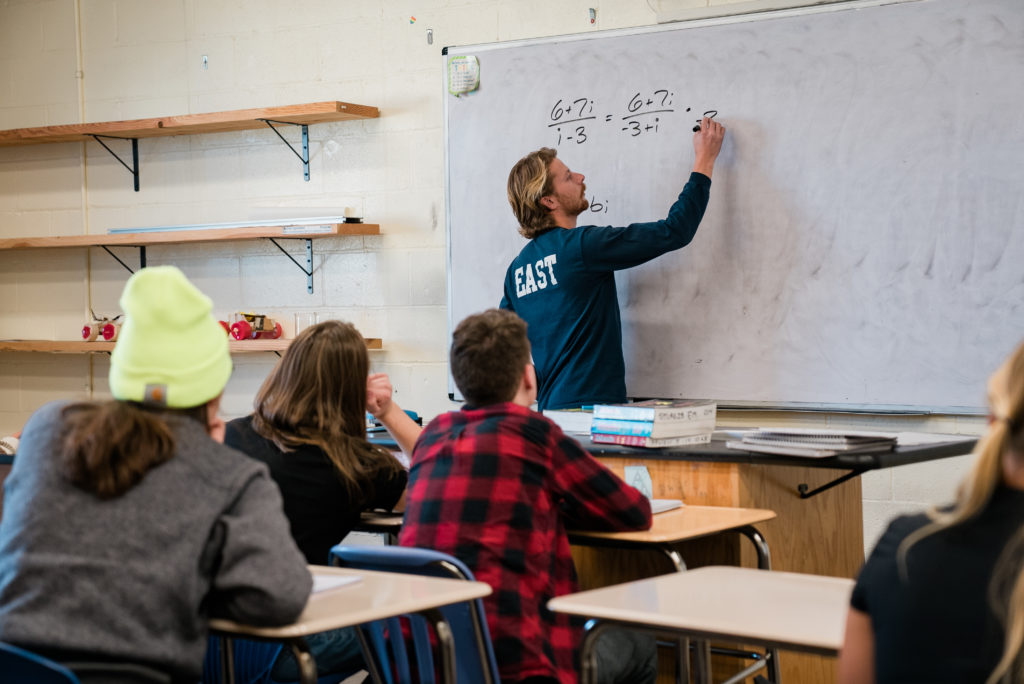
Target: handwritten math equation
575 120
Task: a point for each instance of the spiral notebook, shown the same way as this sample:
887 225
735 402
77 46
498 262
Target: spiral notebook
814 443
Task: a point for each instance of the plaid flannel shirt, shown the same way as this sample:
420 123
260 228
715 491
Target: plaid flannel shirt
496 487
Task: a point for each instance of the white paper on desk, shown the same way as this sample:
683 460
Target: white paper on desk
662 505
328 582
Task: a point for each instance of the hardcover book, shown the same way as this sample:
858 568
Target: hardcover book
650 442
650 428
660 410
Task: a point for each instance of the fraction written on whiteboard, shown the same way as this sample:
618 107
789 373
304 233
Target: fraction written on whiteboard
576 119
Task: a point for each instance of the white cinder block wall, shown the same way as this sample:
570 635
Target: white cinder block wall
70 61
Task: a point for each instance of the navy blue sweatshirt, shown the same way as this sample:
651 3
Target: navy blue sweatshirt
563 285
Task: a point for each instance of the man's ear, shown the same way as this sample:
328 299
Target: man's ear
549 202
530 378
526 393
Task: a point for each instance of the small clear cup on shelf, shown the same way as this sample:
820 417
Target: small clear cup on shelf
305 319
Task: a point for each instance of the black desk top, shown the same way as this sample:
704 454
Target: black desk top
716 451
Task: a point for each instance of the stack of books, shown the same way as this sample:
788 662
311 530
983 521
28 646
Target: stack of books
654 423
813 443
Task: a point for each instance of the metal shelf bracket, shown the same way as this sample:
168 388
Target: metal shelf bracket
806 492
142 257
308 268
134 168
304 157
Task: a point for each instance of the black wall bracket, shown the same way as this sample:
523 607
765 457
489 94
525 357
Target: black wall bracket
134 168
142 257
308 268
304 157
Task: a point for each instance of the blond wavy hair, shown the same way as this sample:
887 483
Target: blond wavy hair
528 182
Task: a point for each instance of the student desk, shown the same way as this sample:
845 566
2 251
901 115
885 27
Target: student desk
380 522
683 524
772 609
818 527
818 530
375 596
670 528
667 530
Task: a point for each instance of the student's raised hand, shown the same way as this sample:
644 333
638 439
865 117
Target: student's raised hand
378 394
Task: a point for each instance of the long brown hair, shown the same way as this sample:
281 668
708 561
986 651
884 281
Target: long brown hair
109 447
1003 440
316 395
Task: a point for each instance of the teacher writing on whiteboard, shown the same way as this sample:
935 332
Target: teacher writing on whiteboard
563 281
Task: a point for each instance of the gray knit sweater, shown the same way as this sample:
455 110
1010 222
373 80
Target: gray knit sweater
135 578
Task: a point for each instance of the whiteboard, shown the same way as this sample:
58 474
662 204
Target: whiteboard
863 248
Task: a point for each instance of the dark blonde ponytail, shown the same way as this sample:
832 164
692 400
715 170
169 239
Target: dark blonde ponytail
109 447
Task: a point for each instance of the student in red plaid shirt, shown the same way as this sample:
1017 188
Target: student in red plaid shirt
496 485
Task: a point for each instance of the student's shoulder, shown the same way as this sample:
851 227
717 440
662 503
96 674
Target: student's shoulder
45 418
537 428
505 418
898 529
217 464
239 431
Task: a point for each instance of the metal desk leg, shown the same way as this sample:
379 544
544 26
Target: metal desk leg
764 555
446 644
227 659
774 671
592 630
683 661
307 666
369 657
682 645
764 562
673 556
702 662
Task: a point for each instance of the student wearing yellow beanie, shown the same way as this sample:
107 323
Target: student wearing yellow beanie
127 524
170 351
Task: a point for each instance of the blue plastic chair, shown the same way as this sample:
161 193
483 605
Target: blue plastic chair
19 666
474 659
253 662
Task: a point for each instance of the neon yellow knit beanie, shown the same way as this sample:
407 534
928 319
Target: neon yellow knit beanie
170 351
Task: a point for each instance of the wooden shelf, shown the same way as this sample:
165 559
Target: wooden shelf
182 236
190 124
76 347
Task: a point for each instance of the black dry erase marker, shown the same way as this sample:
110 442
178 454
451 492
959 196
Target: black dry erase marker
711 114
